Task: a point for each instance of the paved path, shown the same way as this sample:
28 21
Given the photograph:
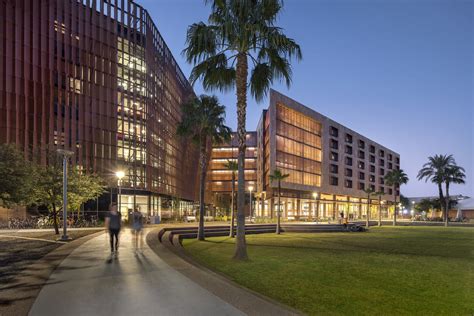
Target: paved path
89 283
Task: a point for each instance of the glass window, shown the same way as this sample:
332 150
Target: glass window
333 168
349 138
372 148
361 186
361 176
361 144
361 165
348 172
334 156
348 183
348 150
372 158
333 131
348 161
334 181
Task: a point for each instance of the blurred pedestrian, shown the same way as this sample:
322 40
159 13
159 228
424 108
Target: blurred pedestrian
113 223
137 226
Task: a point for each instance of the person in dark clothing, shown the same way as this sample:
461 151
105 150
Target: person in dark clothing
113 223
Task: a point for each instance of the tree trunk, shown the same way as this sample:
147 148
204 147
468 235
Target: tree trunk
231 233
441 198
395 211
279 208
55 220
202 184
446 216
241 88
380 211
368 212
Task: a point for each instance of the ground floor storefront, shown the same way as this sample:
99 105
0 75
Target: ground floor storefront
324 208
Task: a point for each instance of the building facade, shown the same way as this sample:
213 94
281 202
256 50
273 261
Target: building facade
328 165
219 177
96 78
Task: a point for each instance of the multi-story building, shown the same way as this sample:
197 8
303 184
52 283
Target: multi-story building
96 78
219 177
329 165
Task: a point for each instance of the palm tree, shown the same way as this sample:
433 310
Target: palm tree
369 191
379 194
396 178
435 171
278 176
203 121
453 174
238 32
232 166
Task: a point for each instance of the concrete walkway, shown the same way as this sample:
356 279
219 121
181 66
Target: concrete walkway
90 282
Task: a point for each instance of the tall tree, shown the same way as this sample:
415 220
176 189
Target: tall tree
233 167
16 177
83 187
435 171
369 191
278 176
379 194
203 121
239 31
454 174
396 178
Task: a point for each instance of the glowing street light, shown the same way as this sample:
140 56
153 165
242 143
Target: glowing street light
120 174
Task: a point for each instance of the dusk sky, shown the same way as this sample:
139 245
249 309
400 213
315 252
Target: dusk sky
399 72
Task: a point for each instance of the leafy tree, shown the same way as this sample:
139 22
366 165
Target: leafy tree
203 121
83 187
396 178
436 170
48 189
238 32
278 176
232 166
425 205
369 191
16 177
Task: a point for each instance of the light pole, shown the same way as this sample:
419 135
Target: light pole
250 215
316 212
120 174
412 209
66 154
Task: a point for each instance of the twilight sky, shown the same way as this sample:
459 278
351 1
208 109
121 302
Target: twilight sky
397 71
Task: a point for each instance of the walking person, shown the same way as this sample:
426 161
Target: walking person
113 223
137 217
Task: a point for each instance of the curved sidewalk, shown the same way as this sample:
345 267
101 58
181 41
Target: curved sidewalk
88 283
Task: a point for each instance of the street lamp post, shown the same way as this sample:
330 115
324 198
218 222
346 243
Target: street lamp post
316 212
250 215
120 174
66 154
412 209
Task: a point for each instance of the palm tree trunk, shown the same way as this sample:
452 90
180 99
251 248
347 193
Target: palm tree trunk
241 87
380 212
368 212
395 211
446 213
441 197
202 183
231 233
55 220
279 208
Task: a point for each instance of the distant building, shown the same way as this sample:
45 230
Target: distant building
329 165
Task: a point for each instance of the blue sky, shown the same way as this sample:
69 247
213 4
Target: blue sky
397 71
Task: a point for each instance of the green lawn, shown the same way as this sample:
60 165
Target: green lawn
387 271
